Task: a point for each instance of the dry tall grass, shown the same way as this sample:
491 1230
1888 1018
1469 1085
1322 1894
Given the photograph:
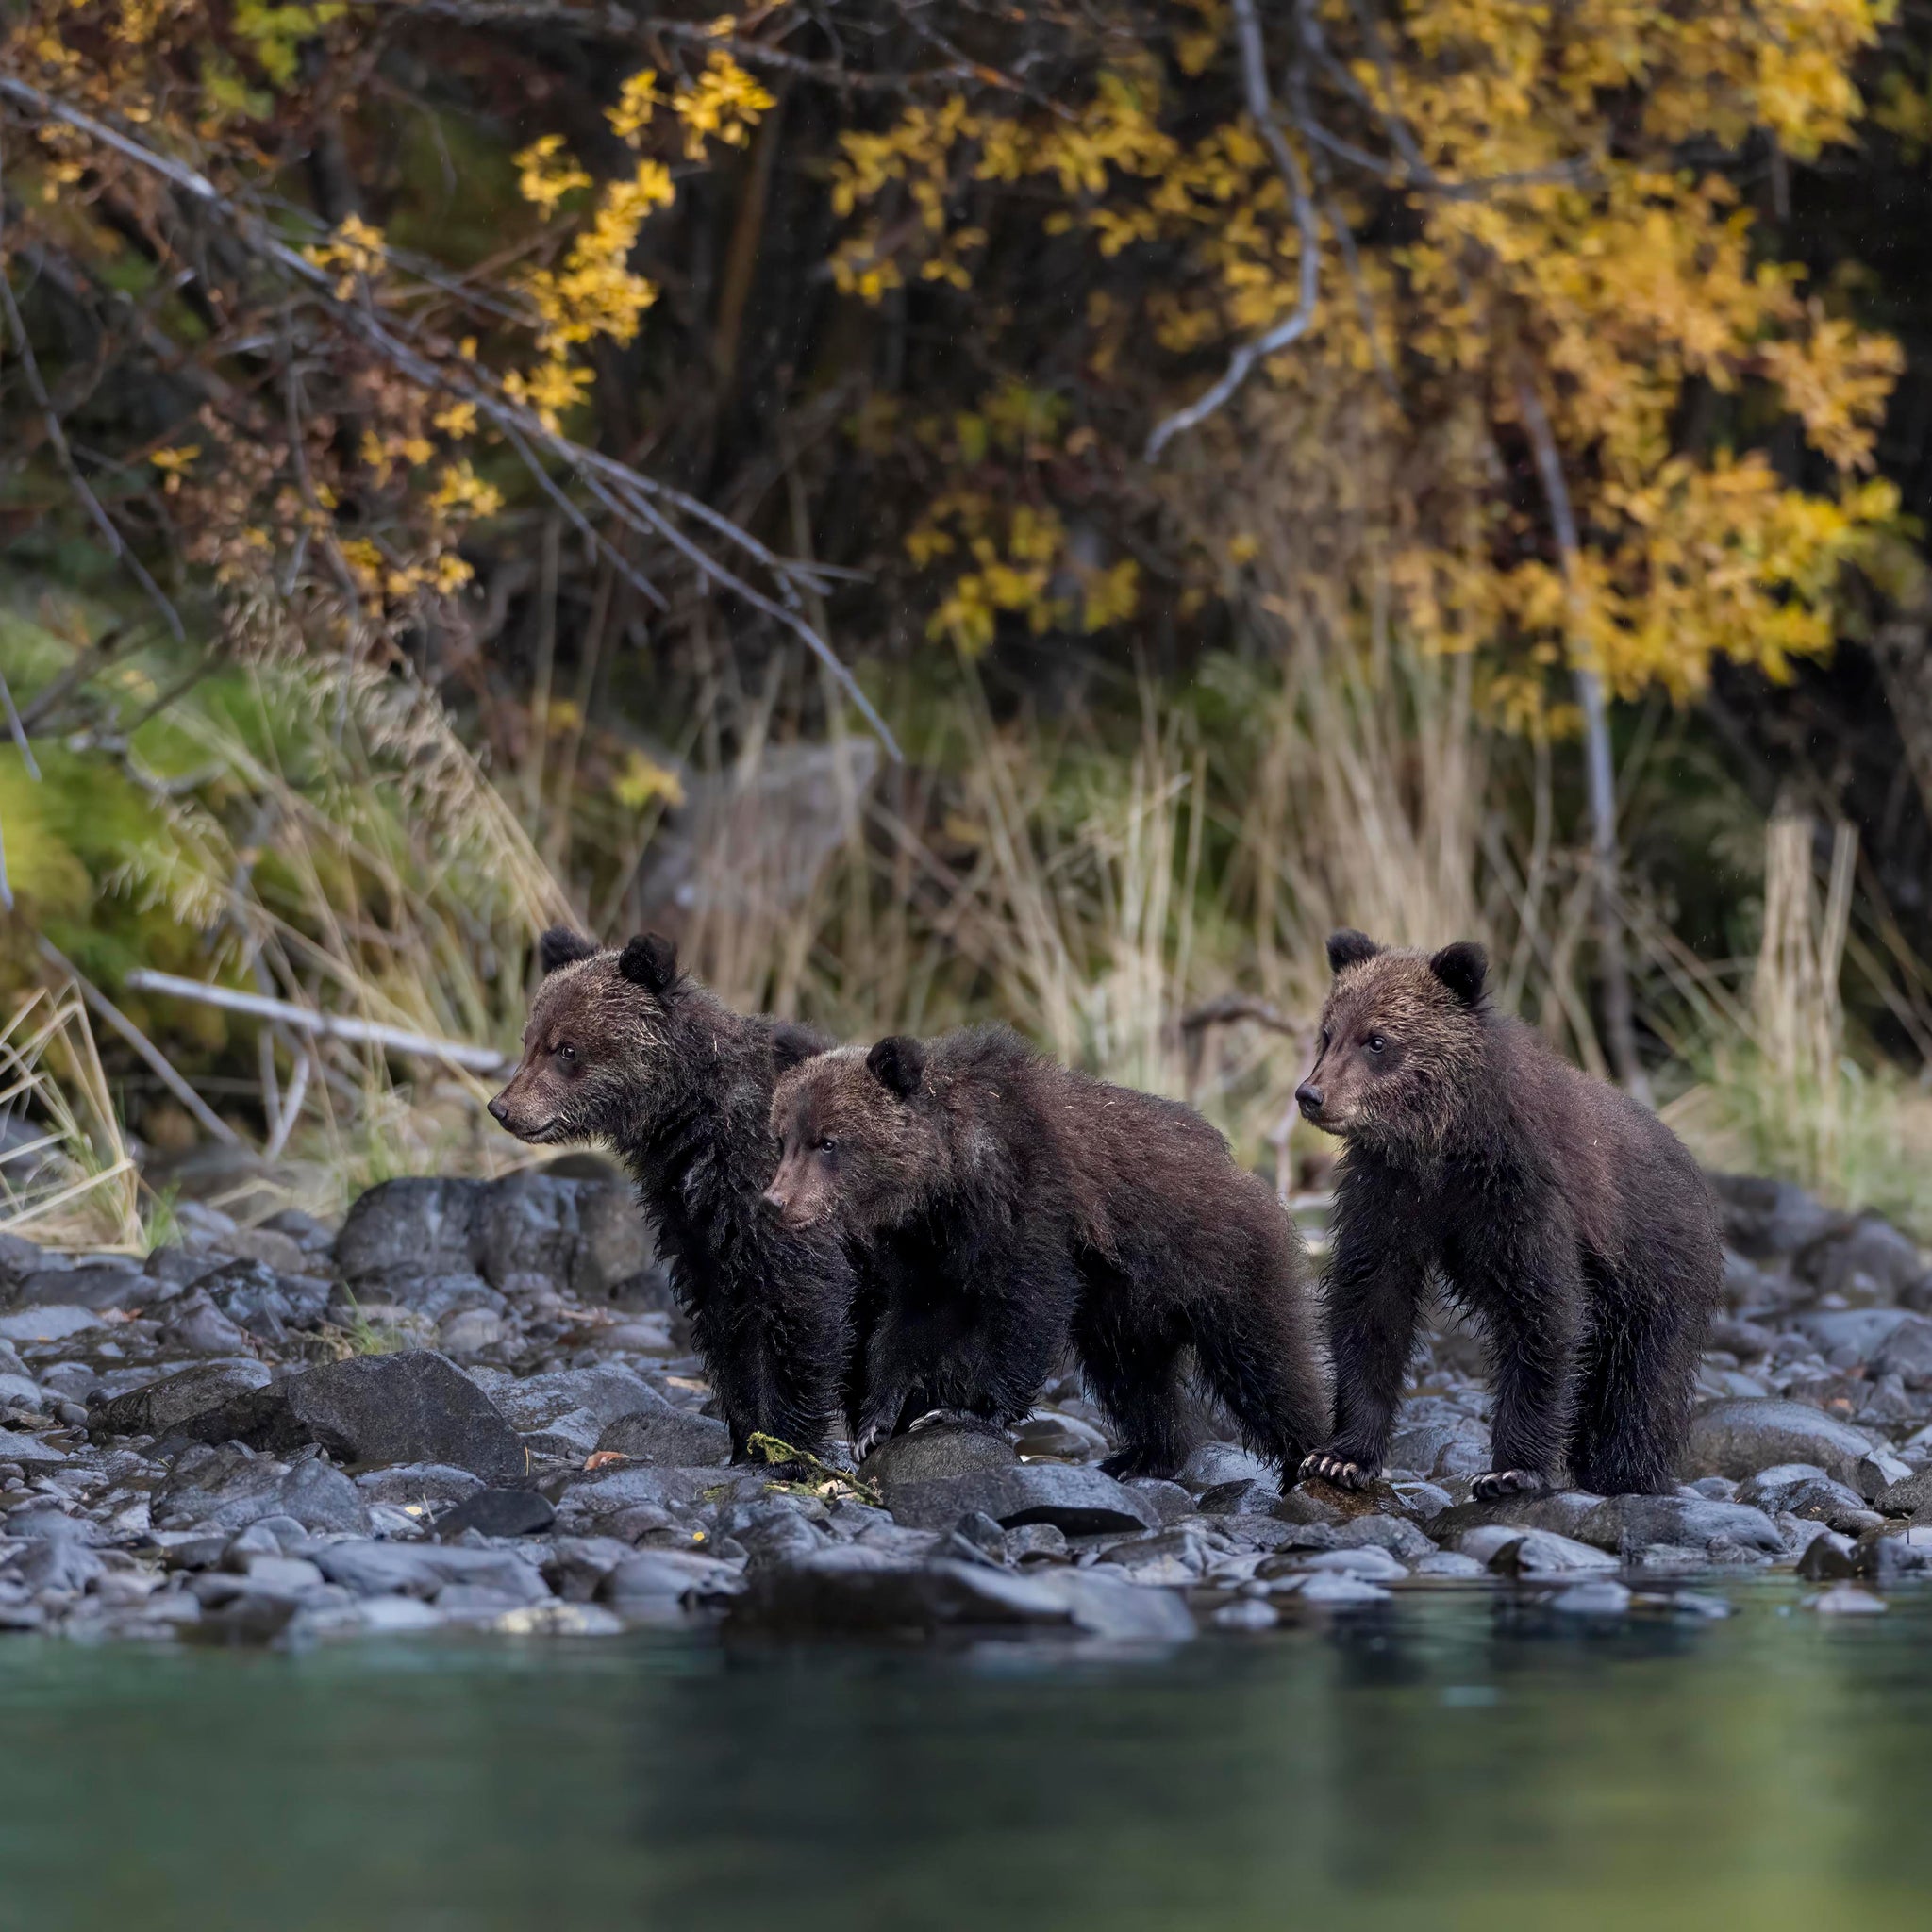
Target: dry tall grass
67 1178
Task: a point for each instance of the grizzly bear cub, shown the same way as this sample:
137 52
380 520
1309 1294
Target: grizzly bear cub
1566 1218
997 1206
622 1047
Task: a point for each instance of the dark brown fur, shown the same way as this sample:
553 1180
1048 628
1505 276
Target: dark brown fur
622 1047
998 1204
1567 1218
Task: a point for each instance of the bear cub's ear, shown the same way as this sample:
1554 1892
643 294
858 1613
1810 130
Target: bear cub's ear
560 946
896 1064
1462 968
1348 947
650 960
793 1044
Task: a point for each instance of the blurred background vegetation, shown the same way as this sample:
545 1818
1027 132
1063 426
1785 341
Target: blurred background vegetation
957 510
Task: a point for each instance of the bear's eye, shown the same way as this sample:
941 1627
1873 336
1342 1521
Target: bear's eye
567 1053
828 1145
1325 1039
1375 1043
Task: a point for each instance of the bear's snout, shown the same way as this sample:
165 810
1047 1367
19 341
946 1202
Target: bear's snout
1308 1096
499 1111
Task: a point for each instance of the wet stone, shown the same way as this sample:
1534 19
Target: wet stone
1769 1220
497 1512
195 1327
605 1391
1738 1439
1886 1555
677 1442
1690 1522
1543 1553
940 1453
1170 1501
225 1489
1212 1465
1802 1490
1244 1498
1870 1260
1600 1597
1077 1500
54 1321
425 1484
1827 1557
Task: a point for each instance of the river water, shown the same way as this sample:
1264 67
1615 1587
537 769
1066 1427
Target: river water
1446 1761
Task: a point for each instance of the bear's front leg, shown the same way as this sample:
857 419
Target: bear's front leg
1530 1310
1373 1293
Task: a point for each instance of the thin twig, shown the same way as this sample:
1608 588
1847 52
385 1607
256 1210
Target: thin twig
1262 112
1232 1006
56 691
158 1061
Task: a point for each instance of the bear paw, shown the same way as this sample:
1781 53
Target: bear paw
1493 1483
1131 1462
1336 1470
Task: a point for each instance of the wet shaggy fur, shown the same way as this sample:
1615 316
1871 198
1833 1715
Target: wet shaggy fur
1569 1220
624 1048
997 1206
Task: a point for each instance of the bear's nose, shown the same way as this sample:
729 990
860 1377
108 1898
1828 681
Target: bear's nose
499 1111
1309 1098
774 1200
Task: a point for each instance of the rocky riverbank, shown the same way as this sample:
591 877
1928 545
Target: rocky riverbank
472 1405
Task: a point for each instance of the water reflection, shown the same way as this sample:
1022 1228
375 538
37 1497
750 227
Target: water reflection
1451 1760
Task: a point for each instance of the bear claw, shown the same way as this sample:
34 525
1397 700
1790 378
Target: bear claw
1493 1483
1336 1470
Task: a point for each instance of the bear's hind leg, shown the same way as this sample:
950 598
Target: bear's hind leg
1253 1352
1133 1371
1638 1378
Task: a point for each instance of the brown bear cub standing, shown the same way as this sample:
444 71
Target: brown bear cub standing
996 1205
1566 1218
622 1047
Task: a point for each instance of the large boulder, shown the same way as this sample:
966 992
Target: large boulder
417 1407
1868 1261
158 1407
587 1236
416 1227
1769 1220
1737 1439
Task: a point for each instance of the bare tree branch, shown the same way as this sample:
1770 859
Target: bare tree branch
1288 163
630 496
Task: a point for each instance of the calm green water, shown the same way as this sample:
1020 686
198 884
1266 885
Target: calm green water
1439 1767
